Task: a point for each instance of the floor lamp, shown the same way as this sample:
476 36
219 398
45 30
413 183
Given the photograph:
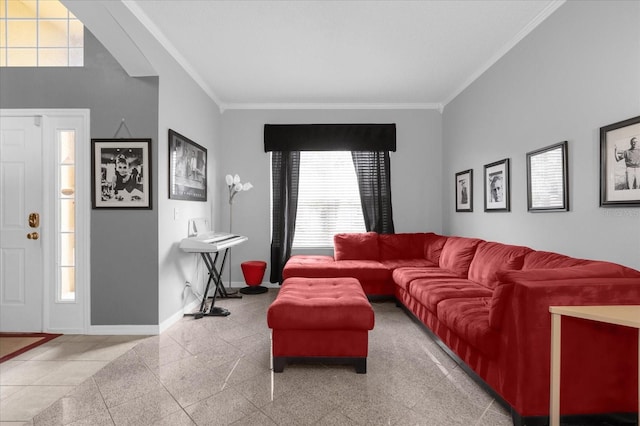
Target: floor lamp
234 185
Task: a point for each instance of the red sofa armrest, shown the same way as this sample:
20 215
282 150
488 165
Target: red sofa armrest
595 377
504 289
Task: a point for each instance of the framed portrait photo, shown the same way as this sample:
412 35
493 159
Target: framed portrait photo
620 164
464 191
497 184
547 179
121 170
187 169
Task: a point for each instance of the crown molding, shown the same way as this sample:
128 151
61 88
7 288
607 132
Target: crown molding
329 106
133 7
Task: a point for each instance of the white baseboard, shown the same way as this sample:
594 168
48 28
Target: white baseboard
178 315
132 330
135 330
241 284
65 330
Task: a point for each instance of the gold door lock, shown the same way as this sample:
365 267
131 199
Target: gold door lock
33 236
34 220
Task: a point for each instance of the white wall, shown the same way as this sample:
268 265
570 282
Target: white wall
184 108
579 70
415 171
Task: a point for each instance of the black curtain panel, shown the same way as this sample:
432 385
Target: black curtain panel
373 171
285 170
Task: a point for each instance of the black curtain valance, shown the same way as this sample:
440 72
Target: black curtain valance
329 137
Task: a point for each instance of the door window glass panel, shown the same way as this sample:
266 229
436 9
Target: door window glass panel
66 216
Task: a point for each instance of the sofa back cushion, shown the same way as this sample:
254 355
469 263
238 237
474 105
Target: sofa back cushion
457 254
433 245
401 246
549 260
356 246
492 257
593 269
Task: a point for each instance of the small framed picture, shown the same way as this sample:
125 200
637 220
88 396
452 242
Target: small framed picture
547 180
121 173
620 164
497 184
464 191
187 169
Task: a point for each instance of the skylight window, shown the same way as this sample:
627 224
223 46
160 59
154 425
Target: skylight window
39 33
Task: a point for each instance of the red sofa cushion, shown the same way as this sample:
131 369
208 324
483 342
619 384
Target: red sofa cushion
402 277
430 292
457 254
321 303
401 246
546 260
469 319
593 269
394 264
367 270
356 246
300 264
433 245
310 260
491 257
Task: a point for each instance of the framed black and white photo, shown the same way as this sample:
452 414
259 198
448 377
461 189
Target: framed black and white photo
547 180
620 164
497 184
464 191
121 173
187 169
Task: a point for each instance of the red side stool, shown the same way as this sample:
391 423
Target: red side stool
253 272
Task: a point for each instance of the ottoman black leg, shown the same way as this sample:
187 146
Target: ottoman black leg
278 364
361 365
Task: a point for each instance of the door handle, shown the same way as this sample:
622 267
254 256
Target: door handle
34 220
33 236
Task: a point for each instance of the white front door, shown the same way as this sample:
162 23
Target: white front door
21 234
44 220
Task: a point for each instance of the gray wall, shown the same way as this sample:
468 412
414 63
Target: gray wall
578 71
124 261
415 171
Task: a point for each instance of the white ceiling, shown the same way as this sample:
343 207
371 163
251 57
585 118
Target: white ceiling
378 54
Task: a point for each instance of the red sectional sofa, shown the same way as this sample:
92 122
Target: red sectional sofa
488 304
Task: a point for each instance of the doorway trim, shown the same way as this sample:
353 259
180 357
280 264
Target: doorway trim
48 119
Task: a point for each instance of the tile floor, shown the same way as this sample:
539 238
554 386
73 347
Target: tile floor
215 370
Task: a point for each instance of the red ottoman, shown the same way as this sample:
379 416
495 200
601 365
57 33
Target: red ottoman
323 320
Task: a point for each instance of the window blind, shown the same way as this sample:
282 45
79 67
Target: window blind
328 199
